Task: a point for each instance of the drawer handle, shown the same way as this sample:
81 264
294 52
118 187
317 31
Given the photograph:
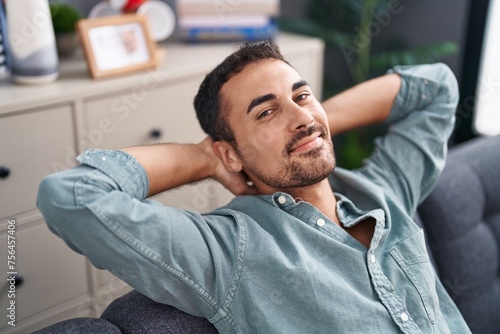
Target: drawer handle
4 172
155 133
18 280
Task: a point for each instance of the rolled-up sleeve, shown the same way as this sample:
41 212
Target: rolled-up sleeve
409 158
99 209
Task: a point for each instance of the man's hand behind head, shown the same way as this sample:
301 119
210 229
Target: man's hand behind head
235 182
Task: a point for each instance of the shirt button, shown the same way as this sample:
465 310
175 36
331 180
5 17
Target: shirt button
320 222
282 199
372 258
404 316
426 81
424 96
103 158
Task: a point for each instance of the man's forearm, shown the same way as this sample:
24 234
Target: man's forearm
367 103
172 165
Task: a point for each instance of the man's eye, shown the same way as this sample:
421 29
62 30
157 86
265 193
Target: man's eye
265 113
301 97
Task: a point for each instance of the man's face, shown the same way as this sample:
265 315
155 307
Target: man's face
281 130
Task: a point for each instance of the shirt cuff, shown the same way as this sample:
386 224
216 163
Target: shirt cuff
121 167
420 85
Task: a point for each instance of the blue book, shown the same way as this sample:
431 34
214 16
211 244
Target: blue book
228 33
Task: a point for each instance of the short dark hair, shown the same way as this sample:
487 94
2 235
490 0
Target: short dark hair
207 101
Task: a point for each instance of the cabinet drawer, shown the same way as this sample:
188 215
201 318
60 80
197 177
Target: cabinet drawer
52 273
32 145
129 118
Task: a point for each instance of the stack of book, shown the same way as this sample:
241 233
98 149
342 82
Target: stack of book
4 54
227 20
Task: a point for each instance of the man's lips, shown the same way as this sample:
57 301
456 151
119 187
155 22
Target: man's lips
307 143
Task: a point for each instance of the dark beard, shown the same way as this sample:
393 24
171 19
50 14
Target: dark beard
315 166
316 171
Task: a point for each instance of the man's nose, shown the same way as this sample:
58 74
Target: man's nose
299 117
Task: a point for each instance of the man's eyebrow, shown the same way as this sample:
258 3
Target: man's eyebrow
259 100
264 98
299 84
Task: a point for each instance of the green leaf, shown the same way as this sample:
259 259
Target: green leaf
64 17
418 55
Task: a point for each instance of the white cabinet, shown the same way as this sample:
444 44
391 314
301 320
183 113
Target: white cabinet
43 128
54 279
32 143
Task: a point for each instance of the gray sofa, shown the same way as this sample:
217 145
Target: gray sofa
461 219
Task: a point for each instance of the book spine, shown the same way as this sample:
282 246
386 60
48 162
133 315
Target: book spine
4 47
206 21
222 8
206 34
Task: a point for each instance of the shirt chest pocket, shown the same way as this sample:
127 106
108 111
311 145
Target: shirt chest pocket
411 256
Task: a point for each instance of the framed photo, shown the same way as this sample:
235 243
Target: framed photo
116 45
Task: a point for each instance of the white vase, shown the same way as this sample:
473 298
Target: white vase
32 42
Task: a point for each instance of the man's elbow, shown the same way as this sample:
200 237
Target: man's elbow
55 198
449 84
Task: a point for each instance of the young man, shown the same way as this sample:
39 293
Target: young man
302 250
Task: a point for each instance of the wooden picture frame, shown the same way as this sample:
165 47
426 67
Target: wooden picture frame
117 45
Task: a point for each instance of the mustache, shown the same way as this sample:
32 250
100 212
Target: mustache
305 133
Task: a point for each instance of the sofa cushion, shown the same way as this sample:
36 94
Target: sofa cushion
462 221
135 313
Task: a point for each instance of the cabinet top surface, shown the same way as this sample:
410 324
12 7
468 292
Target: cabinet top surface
178 60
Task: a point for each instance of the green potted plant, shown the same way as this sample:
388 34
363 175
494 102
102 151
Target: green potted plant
64 19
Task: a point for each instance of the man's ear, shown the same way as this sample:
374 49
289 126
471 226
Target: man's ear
227 154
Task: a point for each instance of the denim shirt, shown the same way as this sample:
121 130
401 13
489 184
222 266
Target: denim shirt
269 264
